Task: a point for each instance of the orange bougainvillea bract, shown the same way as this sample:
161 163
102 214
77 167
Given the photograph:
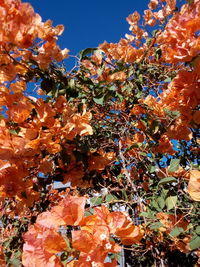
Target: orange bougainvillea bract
99 165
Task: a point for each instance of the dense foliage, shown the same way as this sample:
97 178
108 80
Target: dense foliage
120 131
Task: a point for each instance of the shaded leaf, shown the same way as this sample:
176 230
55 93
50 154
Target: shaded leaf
96 200
15 262
195 242
152 168
176 231
156 225
167 180
86 51
168 80
149 214
197 230
174 165
99 101
161 202
110 198
171 201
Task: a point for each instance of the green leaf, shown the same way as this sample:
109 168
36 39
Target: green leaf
161 202
95 201
164 192
14 131
100 70
197 230
86 51
112 88
167 180
33 62
172 114
64 257
148 41
110 198
121 97
155 127
154 32
156 225
138 95
135 145
152 168
168 80
174 165
71 83
124 194
171 201
87 213
195 242
190 1
155 205
15 262
176 231
62 91
99 101
158 53
145 214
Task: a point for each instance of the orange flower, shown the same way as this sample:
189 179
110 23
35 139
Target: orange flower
154 105
140 125
117 76
18 86
69 211
99 162
7 73
76 124
194 185
179 132
148 18
139 137
178 42
133 18
153 4
121 225
74 176
170 221
137 110
19 110
2 258
45 113
41 245
84 241
196 117
11 183
123 51
165 146
182 245
46 166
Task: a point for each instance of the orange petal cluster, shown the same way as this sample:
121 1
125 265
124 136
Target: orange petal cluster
92 240
194 185
20 26
180 40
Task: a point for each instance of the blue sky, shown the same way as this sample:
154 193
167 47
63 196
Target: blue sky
88 23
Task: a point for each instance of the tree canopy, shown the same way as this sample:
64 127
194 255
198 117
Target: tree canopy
120 132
